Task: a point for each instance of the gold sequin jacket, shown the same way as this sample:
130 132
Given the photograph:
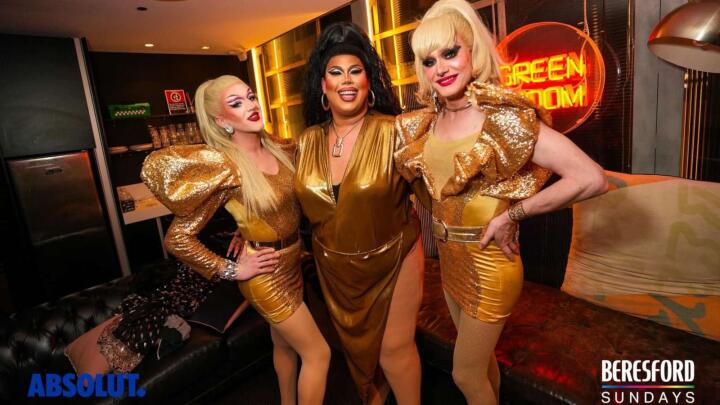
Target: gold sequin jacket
194 182
498 165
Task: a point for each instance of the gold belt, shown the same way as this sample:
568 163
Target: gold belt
277 245
444 232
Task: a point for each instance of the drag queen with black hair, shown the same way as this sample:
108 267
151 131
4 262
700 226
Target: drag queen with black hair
484 153
245 172
365 234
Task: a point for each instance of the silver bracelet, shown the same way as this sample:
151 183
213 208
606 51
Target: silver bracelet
229 270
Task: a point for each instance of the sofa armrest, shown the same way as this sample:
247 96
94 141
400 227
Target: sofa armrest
34 340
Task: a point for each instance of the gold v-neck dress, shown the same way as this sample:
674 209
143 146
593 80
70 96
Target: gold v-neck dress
494 171
360 241
194 182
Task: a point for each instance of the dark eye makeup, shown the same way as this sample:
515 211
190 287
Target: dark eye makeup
447 54
354 70
234 101
451 53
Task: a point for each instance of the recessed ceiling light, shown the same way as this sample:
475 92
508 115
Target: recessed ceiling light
205 47
149 45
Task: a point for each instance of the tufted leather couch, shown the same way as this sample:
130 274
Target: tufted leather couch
552 345
33 342
550 350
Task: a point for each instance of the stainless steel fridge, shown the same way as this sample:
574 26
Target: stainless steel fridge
71 246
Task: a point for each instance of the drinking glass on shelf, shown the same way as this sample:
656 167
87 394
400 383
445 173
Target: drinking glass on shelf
189 133
156 140
164 136
198 135
181 135
173 134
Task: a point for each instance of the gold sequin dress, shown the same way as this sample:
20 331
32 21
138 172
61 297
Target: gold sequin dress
194 182
360 241
487 178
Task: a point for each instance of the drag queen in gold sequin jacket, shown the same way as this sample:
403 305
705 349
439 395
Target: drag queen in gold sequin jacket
485 179
484 153
235 171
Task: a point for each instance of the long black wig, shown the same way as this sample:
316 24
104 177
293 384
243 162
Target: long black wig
345 38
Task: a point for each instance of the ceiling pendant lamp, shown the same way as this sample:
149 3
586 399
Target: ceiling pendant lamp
689 36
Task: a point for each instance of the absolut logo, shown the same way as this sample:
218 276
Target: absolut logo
84 385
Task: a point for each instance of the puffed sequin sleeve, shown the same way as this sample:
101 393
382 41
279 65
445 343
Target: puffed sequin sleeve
510 132
193 182
406 130
181 239
499 162
183 177
504 149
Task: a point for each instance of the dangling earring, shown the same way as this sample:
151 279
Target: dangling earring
436 101
230 130
371 104
324 102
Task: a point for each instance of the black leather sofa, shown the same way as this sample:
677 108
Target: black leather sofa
33 342
549 353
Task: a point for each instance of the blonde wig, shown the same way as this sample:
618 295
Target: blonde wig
257 193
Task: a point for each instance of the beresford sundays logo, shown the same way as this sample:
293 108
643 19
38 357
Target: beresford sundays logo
648 382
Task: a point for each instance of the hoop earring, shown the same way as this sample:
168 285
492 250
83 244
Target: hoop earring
230 130
371 104
324 102
436 102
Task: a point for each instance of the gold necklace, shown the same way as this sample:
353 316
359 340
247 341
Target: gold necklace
337 149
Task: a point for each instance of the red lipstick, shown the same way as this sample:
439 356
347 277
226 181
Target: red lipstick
254 117
446 81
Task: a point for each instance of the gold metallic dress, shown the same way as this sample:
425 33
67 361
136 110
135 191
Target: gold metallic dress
194 182
495 170
360 241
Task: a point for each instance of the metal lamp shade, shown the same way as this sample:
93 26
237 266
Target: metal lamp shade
690 37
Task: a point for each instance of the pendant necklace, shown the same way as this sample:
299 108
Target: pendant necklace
337 149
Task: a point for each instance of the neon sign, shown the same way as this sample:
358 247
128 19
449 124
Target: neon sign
556 66
556 70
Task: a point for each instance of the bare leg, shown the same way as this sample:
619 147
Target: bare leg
303 335
399 357
285 361
493 369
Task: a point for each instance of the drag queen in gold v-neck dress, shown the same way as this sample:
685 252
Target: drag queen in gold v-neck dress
365 234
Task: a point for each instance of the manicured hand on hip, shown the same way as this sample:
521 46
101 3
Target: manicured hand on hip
504 231
263 261
236 245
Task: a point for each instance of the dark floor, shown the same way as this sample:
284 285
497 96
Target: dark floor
261 387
